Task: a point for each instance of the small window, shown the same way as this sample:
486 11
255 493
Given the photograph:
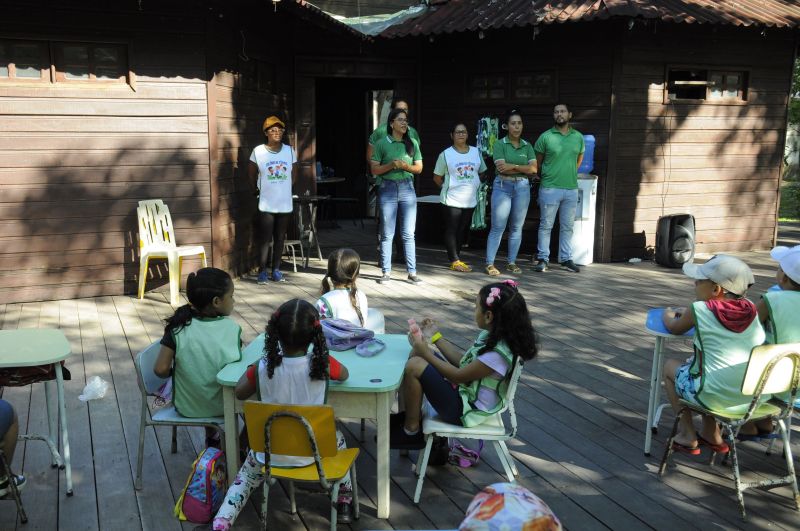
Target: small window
487 88
696 84
24 60
534 86
90 62
258 76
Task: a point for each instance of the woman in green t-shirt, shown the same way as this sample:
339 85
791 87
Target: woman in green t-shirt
395 160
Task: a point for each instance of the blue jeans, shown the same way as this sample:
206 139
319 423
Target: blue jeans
398 198
552 201
510 200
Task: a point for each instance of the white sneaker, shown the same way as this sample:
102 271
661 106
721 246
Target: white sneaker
5 487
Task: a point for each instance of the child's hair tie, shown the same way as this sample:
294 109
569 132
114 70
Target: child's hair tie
276 314
510 282
494 295
316 323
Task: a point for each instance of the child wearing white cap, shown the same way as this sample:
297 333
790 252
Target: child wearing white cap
778 310
726 330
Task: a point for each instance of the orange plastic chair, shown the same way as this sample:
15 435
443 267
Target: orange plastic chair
303 431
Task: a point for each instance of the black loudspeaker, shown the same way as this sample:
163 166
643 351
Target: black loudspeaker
675 240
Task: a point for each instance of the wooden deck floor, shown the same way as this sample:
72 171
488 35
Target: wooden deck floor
581 406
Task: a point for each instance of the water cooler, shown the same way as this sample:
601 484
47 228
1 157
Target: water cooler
585 214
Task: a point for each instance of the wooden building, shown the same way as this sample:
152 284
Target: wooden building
105 104
687 100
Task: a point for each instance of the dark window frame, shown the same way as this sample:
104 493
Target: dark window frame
743 90
52 76
45 74
510 86
261 72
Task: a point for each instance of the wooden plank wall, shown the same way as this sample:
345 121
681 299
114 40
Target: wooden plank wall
720 163
239 116
74 161
583 72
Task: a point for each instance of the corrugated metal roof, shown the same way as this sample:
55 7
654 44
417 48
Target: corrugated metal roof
323 18
472 15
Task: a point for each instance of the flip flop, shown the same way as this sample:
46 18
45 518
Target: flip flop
678 447
718 448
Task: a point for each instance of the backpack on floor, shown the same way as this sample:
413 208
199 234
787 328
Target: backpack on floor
205 488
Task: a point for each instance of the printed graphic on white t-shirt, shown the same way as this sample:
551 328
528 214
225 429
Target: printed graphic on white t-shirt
274 178
461 172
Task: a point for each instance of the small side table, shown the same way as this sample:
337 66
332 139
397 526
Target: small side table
654 325
28 347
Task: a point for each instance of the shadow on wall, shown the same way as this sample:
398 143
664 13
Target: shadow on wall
719 162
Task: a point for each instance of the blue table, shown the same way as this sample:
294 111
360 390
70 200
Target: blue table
654 324
29 347
367 393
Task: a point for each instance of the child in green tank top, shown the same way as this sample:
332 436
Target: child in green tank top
726 330
199 340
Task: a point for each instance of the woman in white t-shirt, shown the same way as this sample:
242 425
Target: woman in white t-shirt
272 171
458 172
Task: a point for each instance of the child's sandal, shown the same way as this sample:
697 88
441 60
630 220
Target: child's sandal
492 271
513 268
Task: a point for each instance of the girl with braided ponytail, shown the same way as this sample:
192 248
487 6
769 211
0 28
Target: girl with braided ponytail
468 387
295 369
199 340
340 298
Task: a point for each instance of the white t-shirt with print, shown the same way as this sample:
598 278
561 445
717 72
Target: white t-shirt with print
461 176
274 178
336 304
290 384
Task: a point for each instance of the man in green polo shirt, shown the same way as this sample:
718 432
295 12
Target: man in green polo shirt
559 153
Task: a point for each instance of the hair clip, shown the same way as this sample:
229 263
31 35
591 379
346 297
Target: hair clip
494 294
510 282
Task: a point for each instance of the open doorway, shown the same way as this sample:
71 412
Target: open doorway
344 119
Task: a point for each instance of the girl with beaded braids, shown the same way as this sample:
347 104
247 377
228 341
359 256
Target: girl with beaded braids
340 298
294 370
465 388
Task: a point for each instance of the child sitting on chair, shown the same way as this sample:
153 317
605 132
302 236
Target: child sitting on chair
340 299
778 310
726 330
287 374
199 340
465 388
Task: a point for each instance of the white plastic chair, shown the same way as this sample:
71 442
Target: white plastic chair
375 321
157 240
492 429
149 384
772 369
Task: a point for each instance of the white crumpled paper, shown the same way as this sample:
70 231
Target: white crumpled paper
96 387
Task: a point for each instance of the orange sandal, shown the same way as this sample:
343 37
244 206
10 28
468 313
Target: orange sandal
492 271
458 265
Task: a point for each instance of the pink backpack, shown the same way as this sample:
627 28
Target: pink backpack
205 489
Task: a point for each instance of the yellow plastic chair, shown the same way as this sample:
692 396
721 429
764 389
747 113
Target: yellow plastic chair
157 240
772 369
492 429
303 431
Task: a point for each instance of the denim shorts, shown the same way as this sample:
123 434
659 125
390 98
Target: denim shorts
685 383
6 417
